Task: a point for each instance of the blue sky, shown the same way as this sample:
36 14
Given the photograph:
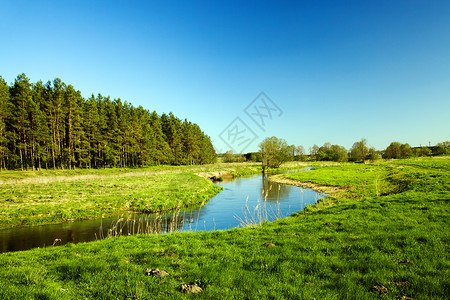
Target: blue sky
338 71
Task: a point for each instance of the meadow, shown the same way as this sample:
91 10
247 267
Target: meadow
55 196
385 235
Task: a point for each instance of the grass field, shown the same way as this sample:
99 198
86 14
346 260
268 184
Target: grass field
385 237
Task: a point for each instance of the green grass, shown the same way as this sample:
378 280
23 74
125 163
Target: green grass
353 245
34 203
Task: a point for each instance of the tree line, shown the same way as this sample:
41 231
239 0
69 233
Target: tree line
52 126
274 151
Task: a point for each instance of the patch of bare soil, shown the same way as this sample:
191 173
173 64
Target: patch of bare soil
156 272
308 185
190 288
216 174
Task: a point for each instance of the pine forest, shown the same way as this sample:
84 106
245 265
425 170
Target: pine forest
51 125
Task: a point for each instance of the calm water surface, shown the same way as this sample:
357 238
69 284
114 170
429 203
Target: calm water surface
243 200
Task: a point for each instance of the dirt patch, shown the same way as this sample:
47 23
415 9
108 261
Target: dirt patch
380 289
308 185
215 175
190 288
401 283
156 272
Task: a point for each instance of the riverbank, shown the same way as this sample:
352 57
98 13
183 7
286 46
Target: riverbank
325 189
386 237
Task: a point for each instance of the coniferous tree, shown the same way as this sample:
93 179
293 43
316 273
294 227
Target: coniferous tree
190 143
57 123
73 126
4 110
22 106
91 132
208 153
40 122
161 153
172 129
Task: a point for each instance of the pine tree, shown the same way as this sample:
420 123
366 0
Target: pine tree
73 125
4 104
40 129
91 132
208 154
112 134
22 103
191 138
160 153
57 126
172 129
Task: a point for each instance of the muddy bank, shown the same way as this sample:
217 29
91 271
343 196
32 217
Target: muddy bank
307 185
215 175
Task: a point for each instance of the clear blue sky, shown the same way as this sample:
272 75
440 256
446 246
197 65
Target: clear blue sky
338 70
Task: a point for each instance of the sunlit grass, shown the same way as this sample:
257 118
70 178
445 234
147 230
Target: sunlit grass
392 246
34 203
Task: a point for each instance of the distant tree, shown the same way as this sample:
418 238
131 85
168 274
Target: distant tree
393 150
274 152
228 157
292 150
372 154
405 151
422 151
240 158
314 152
441 149
330 152
324 152
338 153
253 156
359 150
300 153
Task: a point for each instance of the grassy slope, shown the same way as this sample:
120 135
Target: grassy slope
361 246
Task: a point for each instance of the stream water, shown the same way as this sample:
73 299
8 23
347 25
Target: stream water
243 201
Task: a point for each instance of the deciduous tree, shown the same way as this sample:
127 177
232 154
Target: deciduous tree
274 152
359 150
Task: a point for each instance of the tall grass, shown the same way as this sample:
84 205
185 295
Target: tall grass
262 212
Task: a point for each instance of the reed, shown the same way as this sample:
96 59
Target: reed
152 224
261 213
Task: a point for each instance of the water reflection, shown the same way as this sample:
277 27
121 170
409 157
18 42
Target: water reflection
243 200
273 191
